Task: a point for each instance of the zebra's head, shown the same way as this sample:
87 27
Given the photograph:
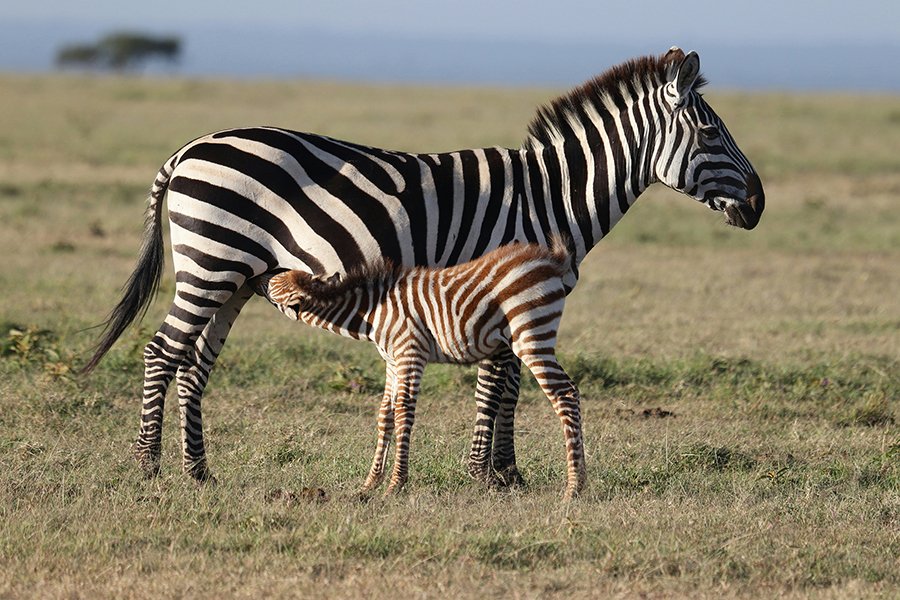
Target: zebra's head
696 153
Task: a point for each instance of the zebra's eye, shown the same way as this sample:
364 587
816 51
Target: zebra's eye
709 133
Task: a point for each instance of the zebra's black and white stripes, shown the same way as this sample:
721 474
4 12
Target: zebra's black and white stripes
508 301
255 201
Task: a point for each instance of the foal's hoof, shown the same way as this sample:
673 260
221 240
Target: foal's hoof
394 488
569 495
362 496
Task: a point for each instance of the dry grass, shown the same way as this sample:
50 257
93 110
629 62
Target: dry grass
777 473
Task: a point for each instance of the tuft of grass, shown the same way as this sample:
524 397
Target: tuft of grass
873 410
705 457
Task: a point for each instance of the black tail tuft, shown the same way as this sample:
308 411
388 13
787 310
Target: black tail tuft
140 288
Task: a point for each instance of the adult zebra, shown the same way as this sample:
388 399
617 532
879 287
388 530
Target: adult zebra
255 201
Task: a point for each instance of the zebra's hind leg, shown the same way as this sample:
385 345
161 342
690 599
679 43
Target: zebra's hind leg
385 431
192 377
161 357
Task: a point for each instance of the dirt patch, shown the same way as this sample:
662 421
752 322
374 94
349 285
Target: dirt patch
647 413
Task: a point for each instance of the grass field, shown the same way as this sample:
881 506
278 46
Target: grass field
740 388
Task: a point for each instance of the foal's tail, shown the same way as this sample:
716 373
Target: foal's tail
561 252
144 281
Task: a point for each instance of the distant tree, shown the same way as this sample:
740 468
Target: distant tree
77 55
119 51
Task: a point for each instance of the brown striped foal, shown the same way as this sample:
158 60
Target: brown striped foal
510 300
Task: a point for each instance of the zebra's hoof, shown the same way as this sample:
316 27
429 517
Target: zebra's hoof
509 476
485 474
148 467
148 462
200 473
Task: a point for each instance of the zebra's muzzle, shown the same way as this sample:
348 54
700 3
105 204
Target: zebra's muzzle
746 214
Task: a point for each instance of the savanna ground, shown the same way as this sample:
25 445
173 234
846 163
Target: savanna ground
740 387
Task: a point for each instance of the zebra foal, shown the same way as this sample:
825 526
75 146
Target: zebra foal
508 301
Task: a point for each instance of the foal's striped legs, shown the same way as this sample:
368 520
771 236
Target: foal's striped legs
410 367
385 430
563 395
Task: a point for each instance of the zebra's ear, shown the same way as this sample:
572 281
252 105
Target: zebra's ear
687 74
684 78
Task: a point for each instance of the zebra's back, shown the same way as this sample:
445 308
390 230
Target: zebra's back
297 200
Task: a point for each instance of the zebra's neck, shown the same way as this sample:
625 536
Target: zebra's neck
592 166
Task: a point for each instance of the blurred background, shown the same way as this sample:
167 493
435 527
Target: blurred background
768 44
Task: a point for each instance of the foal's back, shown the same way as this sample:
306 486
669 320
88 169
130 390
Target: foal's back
459 314
468 312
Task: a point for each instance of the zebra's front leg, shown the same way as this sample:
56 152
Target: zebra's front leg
385 431
503 455
193 375
493 452
409 375
488 392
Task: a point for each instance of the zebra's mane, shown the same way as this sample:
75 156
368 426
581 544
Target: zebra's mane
324 290
552 120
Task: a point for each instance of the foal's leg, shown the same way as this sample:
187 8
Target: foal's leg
409 375
563 395
385 430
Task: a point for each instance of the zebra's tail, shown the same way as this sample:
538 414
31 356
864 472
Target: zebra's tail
144 281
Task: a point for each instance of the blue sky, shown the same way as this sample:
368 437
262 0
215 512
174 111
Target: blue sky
770 44
805 21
